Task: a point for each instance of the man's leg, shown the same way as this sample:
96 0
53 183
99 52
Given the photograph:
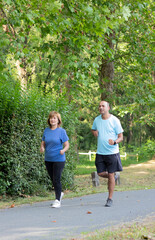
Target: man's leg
103 174
111 184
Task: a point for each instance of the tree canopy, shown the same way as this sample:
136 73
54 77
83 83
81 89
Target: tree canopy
70 55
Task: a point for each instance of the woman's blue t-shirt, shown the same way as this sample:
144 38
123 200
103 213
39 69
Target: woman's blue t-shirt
54 140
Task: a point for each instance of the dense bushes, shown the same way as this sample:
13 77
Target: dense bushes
23 119
146 151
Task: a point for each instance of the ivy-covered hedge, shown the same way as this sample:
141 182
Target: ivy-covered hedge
23 119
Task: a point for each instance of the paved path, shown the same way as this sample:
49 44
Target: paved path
41 222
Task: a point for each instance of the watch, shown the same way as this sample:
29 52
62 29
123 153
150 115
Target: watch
115 143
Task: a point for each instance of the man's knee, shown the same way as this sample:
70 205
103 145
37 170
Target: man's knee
103 174
111 176
99 174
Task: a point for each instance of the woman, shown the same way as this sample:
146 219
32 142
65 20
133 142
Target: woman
53 141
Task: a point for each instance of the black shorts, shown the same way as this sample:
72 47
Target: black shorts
108 163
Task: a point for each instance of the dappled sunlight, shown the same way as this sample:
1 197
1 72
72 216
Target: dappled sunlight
84 166
142 172
148 164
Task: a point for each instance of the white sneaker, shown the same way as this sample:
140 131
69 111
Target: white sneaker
61 196
56 204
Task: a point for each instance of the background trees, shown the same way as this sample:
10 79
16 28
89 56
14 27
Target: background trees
67 55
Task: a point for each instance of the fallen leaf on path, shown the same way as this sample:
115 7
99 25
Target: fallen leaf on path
12 206
53 221
89 212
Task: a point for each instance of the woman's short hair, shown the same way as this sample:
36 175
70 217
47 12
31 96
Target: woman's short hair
54 113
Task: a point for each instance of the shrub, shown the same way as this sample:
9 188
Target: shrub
22 168
146 151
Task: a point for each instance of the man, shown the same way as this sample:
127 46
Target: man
108 130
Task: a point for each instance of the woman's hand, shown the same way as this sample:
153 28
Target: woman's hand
61 152
66 146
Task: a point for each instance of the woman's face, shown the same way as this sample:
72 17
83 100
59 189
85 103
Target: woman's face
54 121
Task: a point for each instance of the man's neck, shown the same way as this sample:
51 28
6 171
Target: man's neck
106 116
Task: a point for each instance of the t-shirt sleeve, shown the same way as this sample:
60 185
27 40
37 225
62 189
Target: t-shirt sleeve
64 136
118 127
94 126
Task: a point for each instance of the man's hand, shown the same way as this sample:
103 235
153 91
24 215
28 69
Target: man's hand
95 133
119 139
111 142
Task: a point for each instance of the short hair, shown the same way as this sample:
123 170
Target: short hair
108 105
54 113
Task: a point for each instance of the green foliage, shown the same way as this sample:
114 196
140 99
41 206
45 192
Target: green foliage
86 140
54 50
146 151
22 166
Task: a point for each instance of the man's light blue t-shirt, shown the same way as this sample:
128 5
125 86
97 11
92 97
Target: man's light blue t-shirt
54 140
107 129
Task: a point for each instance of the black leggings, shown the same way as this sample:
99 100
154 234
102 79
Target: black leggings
54 170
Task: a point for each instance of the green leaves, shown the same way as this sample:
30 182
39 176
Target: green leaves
126 12
60 47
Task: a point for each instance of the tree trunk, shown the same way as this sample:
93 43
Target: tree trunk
106 74
129 128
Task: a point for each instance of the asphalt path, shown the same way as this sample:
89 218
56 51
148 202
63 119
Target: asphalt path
76 216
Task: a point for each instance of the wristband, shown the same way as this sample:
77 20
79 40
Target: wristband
115 143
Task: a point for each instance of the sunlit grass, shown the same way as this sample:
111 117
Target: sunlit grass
134 231
85 166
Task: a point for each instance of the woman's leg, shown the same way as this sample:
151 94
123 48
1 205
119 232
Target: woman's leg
57 171
49 168
54 170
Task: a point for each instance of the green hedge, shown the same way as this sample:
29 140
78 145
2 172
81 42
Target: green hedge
23 120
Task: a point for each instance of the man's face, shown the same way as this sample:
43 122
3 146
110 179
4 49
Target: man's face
103 107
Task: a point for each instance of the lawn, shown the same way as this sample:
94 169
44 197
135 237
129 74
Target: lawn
129 231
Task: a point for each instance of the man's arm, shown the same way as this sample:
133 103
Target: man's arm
118 140
95 133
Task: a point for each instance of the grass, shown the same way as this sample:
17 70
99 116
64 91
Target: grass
134 177
85 166
128 231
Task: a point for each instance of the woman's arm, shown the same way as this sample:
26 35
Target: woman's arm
42 147
66 147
